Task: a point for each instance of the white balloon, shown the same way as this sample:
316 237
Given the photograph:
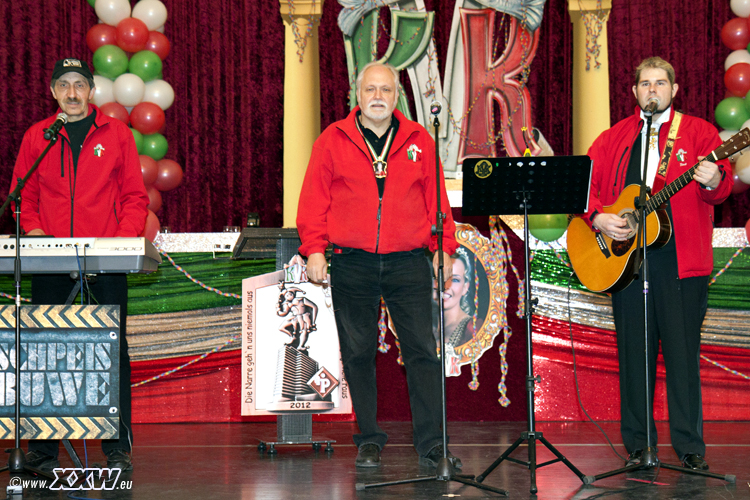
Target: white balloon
738 56
102 90
726 134
151 12
741 8
160 93
112 11
742 168
160 29
128 89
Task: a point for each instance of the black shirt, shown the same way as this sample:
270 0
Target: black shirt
77 132
377 144
633 176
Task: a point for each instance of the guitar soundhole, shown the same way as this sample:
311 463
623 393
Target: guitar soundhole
620 248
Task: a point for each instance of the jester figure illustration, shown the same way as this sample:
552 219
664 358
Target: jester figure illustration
299 315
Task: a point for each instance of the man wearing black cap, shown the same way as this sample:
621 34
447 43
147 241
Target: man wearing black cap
88 185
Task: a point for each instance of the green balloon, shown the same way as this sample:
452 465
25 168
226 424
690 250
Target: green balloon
138 140
548 227
110 61
731 113
92 2
146 64
155 146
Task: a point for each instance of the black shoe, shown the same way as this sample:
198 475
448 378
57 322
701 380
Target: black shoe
634 458
119 459
435 454
694 461
42 461
368 456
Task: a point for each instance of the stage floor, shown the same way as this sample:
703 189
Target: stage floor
222 461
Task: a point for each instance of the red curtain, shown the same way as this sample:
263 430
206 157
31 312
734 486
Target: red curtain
227 70
225 127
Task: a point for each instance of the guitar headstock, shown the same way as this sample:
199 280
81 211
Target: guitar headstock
734 144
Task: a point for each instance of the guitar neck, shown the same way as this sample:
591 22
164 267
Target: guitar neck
733 145
673 187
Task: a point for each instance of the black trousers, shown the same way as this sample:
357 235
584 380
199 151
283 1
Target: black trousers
109 289
676 309
404 280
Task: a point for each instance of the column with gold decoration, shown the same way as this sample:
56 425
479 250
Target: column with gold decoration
301 95
590 71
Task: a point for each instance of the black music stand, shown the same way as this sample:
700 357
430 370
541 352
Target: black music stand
527 185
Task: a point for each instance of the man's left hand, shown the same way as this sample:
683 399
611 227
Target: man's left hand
707 173
447 266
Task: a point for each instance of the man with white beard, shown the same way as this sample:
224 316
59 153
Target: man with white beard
370 191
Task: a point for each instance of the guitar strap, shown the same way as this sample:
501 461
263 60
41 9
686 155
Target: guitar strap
661 173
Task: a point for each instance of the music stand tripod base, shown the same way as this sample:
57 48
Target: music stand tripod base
527 185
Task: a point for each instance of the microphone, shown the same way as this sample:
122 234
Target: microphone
54 129
651 107
435 108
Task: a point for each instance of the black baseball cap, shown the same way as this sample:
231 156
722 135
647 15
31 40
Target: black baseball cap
75 65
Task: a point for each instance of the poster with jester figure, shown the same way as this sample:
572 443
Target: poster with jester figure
290 348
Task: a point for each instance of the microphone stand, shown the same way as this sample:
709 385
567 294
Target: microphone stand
649 459
17 458
444 470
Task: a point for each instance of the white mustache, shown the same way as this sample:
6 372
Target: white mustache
377 101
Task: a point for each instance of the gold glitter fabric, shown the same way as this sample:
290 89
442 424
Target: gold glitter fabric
186 333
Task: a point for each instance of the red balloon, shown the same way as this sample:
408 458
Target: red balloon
132 34
159 44
747 229
154 199
739 186
737 79
736 33
101 34
170 175
152 226
147 118
148 169
116 110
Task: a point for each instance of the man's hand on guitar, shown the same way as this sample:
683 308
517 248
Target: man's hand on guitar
707 174
612 225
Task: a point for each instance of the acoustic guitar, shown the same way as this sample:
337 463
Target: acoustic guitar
606 265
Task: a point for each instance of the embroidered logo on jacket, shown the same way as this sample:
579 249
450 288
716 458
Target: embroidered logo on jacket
414 153
681 154
98 149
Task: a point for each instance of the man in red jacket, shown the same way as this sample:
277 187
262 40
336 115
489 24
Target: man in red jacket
370 190
88 185
678 271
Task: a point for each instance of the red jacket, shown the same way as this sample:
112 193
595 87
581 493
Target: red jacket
692 207
339 199
104 197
